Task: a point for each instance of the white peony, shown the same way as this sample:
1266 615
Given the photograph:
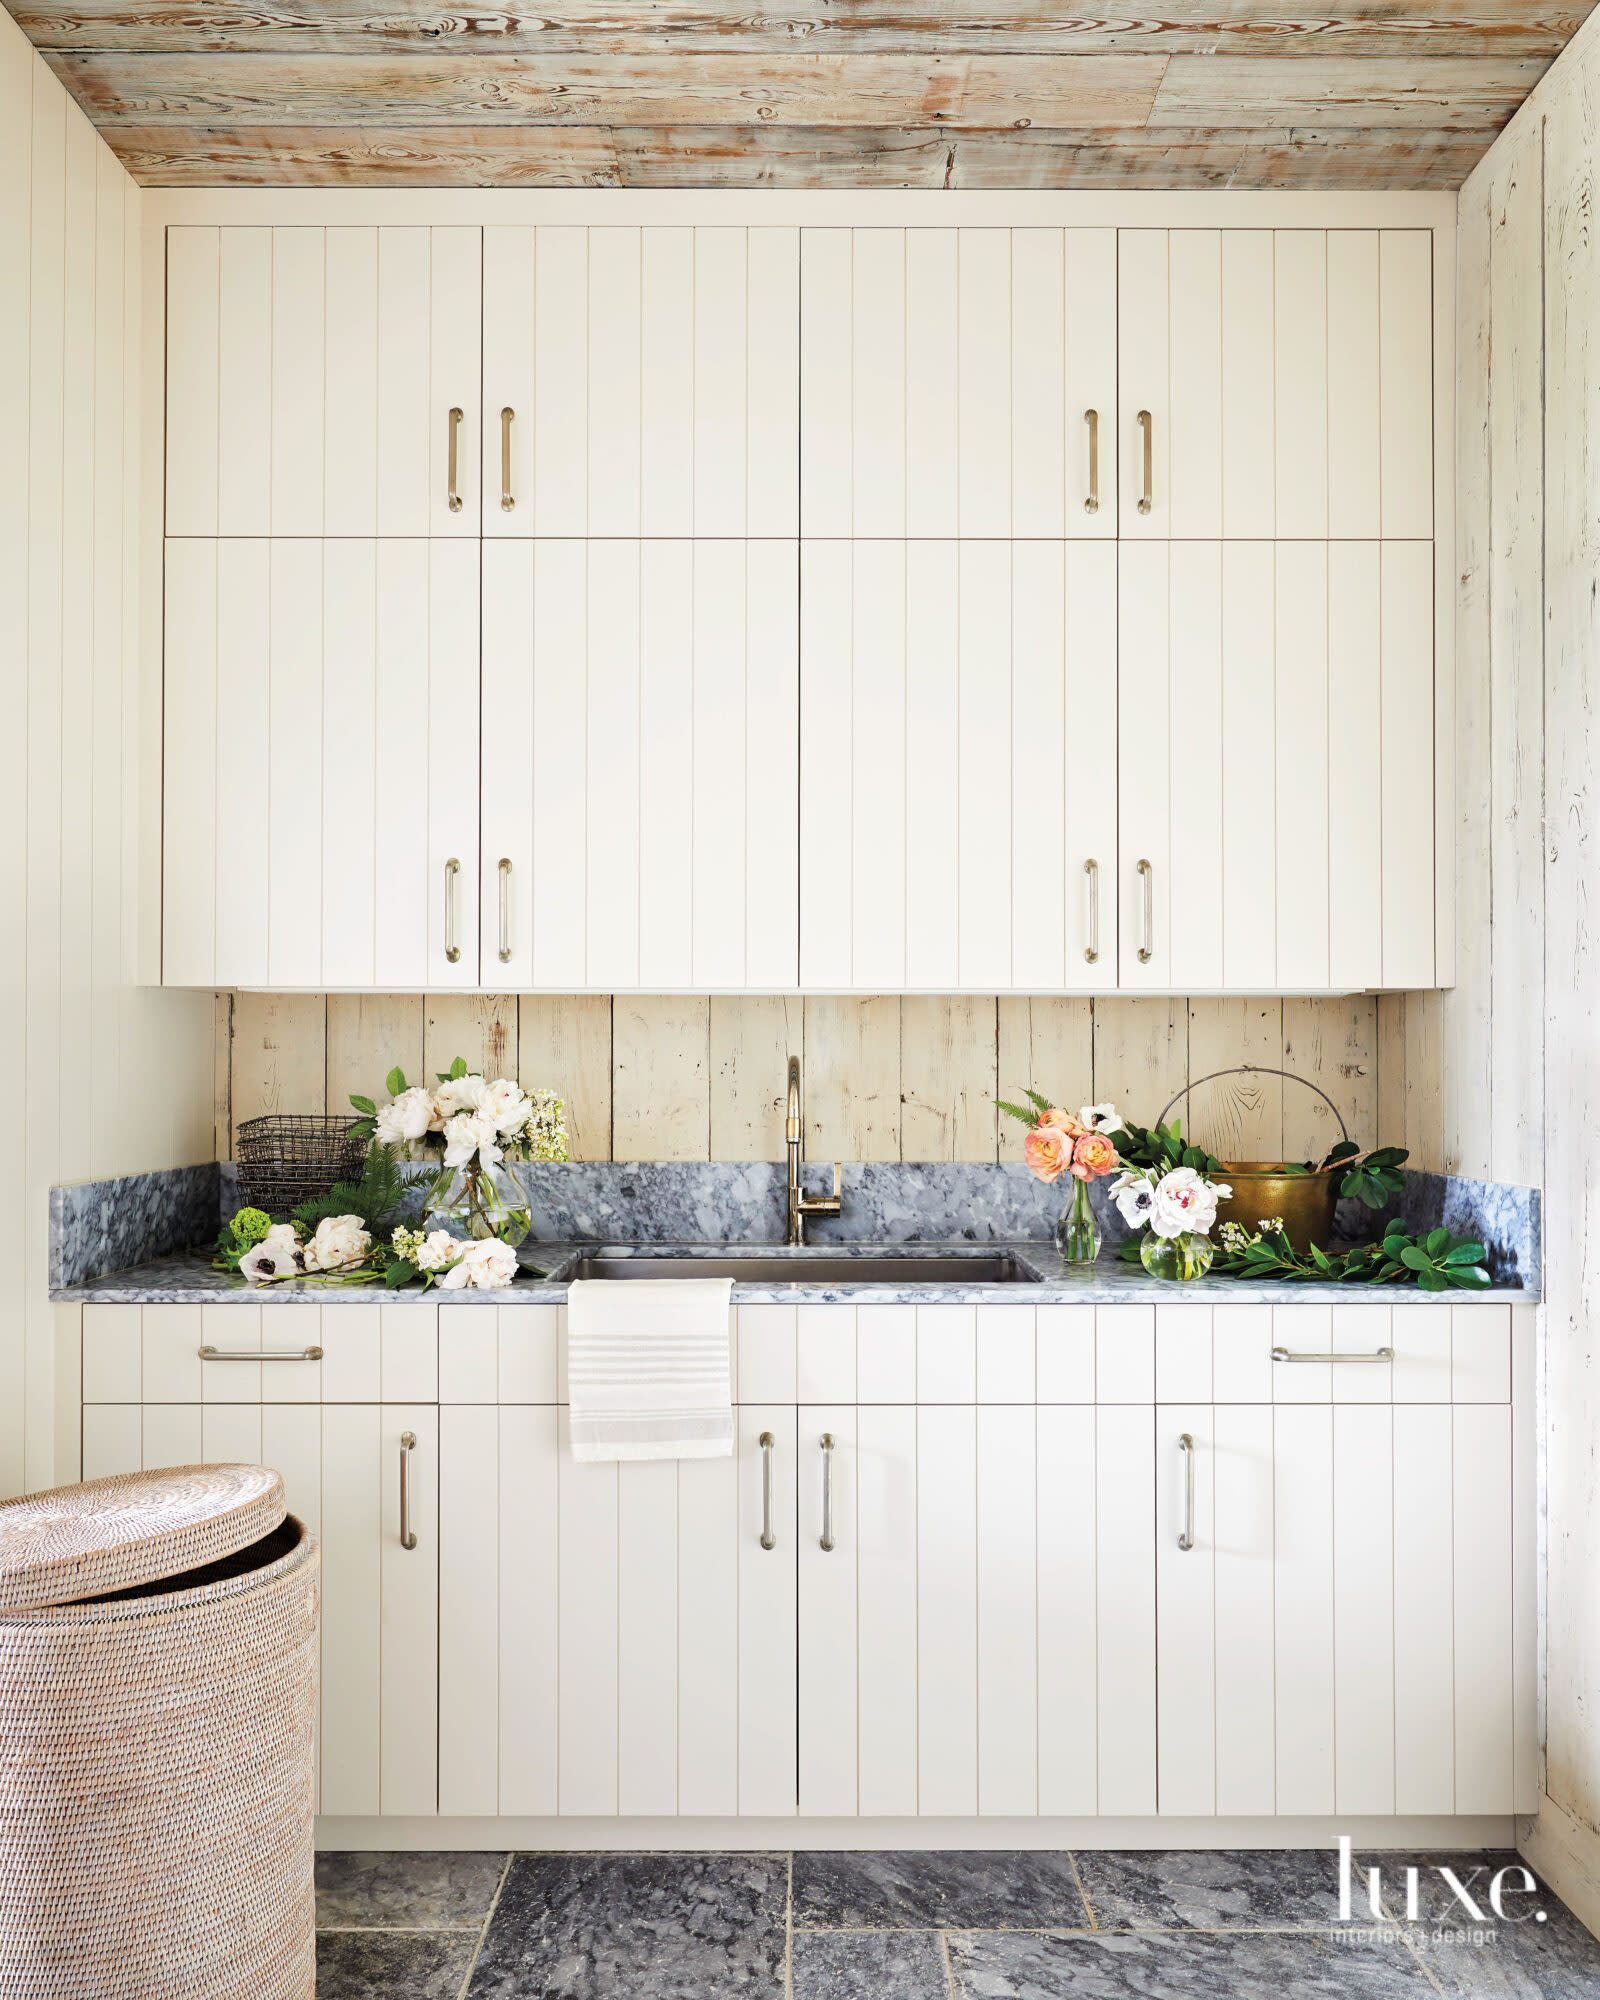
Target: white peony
340 1240
277 1255
407 1118
1135 1198
468 1134
1185 1203
1100 1118
461 1093
436 1250
506 1107
485 1266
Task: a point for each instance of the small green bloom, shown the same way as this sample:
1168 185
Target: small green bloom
250 1226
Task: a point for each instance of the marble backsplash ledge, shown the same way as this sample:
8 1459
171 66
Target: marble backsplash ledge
101 1226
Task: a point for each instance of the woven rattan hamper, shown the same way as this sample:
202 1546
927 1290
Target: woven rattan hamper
158 1689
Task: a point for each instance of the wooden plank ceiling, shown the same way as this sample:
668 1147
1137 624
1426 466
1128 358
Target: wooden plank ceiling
840 93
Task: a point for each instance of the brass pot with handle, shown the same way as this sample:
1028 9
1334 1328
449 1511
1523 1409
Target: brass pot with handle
1264 1189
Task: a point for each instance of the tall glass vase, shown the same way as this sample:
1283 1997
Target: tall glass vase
480 1202
1077 1233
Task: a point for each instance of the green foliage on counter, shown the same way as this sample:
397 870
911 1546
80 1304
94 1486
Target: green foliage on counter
374 1198
1436 1262
1163 1148
1372 1178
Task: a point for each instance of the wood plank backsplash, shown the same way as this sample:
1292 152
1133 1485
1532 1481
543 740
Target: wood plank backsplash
915 1078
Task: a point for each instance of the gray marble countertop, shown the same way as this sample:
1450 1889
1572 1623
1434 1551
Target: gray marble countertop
190 1280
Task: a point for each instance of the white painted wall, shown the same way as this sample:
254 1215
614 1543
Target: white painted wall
102 1077
1522 1058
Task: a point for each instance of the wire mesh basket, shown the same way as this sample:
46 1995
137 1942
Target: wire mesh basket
290 1157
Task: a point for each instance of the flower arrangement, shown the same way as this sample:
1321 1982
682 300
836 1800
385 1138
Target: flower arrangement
1057 1144
1176 1210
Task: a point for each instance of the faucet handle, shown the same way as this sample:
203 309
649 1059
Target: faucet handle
824 1204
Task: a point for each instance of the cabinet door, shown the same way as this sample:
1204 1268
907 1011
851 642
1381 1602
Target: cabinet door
957 780
640 765
614 1638
323 381
958 382
1338 1636
640 381
321 764
1275 763
1275 383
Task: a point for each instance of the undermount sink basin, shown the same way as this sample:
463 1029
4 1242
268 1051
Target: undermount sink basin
813 1267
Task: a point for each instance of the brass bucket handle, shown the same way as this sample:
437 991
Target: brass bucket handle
1257 1069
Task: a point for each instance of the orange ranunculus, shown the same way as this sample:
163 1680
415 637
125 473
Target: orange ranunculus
1092 1156
1048 1151
1062 1121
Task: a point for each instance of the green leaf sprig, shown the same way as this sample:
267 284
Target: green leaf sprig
1163 1148
1435 1262
1372 1178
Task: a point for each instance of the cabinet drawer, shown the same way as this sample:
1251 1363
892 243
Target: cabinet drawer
152 1354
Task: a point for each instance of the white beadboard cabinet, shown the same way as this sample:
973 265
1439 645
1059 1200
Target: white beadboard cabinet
640 764
323 381
1277 383
1275 778
1037 1601
321 754
640 382
957 808
958 382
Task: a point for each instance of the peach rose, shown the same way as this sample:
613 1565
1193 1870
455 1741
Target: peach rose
1062 1121
1048 1151
1092 1156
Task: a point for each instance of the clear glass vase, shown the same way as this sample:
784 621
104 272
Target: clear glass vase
1077 1233
479 1202
1177 1257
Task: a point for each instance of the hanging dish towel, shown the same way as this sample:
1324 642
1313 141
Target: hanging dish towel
648 1369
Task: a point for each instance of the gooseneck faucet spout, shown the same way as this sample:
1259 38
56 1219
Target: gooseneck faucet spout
801 1205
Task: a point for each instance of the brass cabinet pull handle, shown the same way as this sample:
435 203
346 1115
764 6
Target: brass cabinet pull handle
452 872
768 1444
507 501
1147 425
1147 876
1285 1354
209 1353
1186 1538
452 482
1091 950
505 909
1092 419
408 1444
826 1539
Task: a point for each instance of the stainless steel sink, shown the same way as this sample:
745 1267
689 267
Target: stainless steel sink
813 1267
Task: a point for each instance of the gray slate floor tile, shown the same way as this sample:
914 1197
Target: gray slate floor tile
1001 1890
395 1965
1210 1889
428 1892
1182 1965
869 1965
637 1927
1541 1953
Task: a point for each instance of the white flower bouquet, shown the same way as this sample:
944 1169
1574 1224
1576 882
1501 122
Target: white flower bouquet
1176 1210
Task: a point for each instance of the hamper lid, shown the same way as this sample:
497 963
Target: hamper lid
74 1542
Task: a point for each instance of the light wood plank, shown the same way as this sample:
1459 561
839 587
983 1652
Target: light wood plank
711 1530
829 1643
529 1662
1332 1043
1141 1050
660 1079
886 1609
1243 1480
1235 1117
947 1610
947 1079
852 1097
752 1039
1364 92
1045 1045
564 1045
1187 1640
370 1034
1363 1609
1482 1542
1125 1610
1303 1600
480 1028
1424 1618
279 1054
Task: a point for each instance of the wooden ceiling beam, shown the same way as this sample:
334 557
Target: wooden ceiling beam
613 27
1436 93
788 157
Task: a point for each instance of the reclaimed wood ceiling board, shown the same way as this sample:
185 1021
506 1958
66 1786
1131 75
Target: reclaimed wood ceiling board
877 93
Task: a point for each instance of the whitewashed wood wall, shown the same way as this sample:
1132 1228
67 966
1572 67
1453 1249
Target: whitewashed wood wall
104 1078
885 1079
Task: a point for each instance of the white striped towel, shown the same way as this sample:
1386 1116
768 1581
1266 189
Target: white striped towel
649 1373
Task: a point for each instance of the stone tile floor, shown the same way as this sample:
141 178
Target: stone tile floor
1201 1925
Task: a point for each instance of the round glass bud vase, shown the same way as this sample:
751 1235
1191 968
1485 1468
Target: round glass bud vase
1177 1257
480 1202
1077 1233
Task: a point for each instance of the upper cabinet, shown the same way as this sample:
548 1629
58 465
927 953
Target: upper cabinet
1275 384
641 382
958 382
323 381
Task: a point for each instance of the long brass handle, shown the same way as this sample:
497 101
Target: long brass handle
453 484
1147 875
1186 1538
1092 419
768 1444
408 1444
505 909
826 1538
1091 950
452 873
507 500
1286 1354
1147 425
267 1354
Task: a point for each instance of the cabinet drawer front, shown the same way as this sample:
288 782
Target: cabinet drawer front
1437 1352
260 1353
